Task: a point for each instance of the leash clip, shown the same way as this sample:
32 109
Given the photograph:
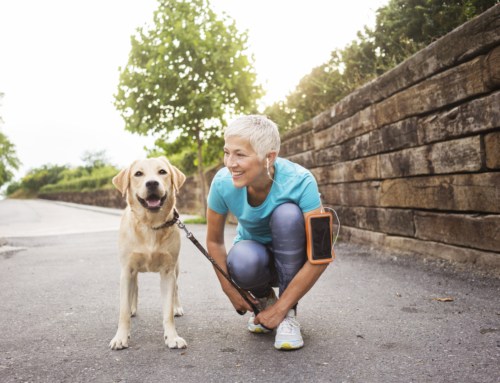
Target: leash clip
183 227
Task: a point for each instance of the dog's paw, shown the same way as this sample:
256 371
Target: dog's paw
133 312
178 311
119 342
176 342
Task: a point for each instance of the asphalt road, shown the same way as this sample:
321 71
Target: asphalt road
372 317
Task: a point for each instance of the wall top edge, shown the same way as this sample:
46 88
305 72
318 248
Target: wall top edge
463 43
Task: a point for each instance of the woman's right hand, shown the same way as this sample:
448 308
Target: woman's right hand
236 299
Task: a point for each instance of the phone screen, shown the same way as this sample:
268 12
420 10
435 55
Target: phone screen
321 237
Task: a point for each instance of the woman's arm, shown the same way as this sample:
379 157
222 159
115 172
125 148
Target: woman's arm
217 250
298 287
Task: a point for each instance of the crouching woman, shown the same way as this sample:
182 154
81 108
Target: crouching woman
271 197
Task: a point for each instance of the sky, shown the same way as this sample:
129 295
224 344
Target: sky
59 64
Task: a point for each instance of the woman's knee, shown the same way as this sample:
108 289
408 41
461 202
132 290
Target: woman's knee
287 216
248 263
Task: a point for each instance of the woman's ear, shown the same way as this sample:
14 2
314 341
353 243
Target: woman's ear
178 177
122 180
271 157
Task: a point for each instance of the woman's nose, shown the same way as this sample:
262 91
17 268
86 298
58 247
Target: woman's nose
231 162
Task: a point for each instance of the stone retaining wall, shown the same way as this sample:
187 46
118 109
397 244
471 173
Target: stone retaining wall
105 198
411 160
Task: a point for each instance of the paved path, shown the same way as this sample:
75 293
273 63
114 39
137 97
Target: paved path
60 304
40 218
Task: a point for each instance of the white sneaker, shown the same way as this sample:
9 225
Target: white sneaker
263 304
288 334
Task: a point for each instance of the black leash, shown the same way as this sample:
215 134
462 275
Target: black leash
205 253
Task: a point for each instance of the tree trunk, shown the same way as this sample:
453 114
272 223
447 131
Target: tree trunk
200 173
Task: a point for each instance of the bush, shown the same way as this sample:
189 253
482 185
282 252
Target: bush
12 188
101 179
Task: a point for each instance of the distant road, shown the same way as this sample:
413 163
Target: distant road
36 218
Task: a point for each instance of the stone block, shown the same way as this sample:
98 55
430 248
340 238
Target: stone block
492 148
356 125
463 155
473 117
297 144
460 192
435 249
362 237
454 85
297 131
421 65
485 259
362 169
400 135
390 221
475 37
428 248
468 230
305 159
351 104
329 156
351 194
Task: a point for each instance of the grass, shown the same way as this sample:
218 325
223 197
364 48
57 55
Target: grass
22 194
79 184
196 220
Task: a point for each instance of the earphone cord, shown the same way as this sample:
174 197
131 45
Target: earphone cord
269 174
338 220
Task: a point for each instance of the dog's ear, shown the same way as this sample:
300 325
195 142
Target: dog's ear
122 180
178 177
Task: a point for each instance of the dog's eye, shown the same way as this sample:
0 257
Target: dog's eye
162 171
138 174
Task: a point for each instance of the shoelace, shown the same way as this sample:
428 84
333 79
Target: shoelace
286 326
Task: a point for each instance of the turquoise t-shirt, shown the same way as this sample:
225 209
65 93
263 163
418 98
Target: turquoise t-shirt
253 222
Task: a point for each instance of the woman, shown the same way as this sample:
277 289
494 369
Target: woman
271 198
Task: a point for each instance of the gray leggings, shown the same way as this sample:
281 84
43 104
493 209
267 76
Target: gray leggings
257 268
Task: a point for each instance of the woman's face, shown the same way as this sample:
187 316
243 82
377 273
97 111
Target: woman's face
243 162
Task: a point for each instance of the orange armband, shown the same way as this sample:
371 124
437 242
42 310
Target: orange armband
319 238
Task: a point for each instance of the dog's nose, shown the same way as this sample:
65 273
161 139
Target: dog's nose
152 184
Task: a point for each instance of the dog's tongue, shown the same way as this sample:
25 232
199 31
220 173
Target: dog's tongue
154 203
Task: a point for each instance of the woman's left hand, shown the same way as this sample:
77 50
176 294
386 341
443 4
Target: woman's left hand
271 317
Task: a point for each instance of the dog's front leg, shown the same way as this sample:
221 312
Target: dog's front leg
167 284
127 290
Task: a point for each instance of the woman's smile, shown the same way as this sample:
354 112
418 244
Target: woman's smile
236 174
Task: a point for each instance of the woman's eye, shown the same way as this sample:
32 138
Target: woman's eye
138 174
162 171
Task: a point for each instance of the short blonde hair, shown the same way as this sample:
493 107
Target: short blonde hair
260 131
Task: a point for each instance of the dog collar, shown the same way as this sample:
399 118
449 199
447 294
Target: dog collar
168 223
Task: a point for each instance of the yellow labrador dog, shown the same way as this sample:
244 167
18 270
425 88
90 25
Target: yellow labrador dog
149 241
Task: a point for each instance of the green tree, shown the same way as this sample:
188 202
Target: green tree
184 155
33 181
402 28
95 159
8 158
186 74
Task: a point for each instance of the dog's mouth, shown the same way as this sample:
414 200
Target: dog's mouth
153 202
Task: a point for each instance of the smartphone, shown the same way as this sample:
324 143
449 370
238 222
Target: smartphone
319 238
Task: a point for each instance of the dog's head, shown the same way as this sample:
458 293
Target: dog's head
150 182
